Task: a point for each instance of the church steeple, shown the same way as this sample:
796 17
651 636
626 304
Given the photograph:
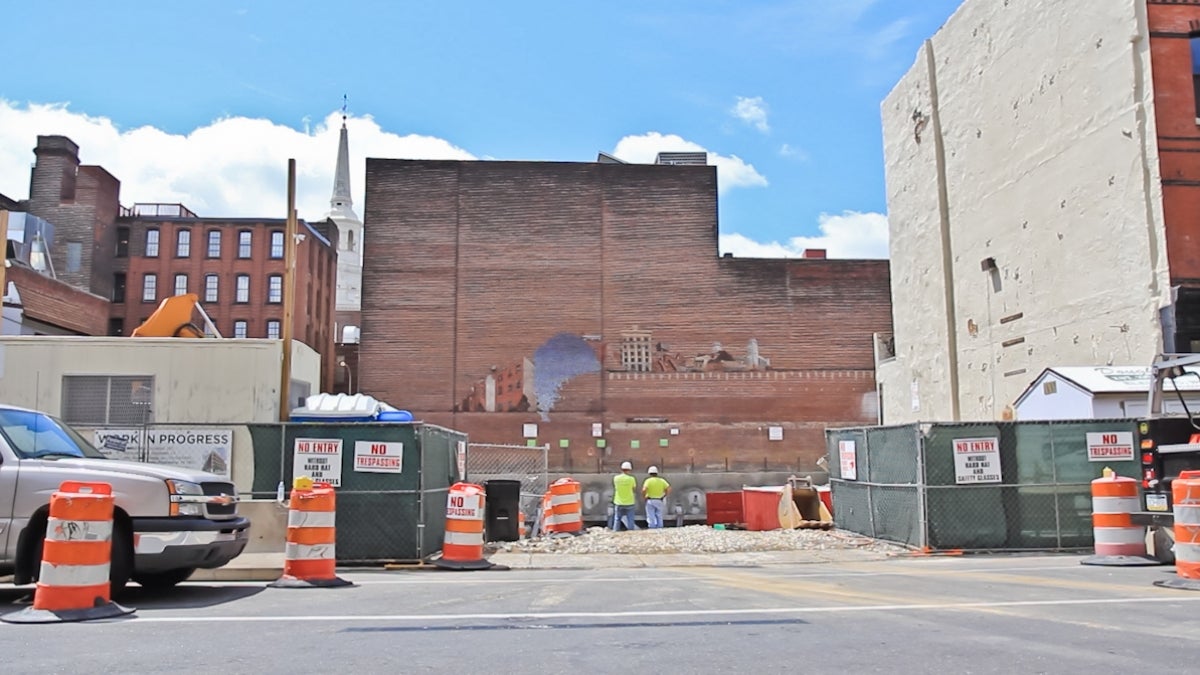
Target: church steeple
350 229
341 201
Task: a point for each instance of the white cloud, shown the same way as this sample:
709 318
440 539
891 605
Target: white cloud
787 150
752 111
732 171
850 235
235 166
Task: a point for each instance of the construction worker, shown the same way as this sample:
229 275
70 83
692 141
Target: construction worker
655 491
624 499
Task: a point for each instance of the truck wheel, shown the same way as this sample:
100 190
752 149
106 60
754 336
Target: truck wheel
163 580
121 563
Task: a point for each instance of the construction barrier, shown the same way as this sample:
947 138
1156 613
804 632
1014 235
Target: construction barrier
1118 542
310 555
521 525
462 547
544 520
73 584
566 507
1185 493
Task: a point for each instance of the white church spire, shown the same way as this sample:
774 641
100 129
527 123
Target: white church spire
350 228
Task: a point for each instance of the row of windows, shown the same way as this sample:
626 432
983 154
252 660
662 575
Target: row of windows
116 326
183 244
211 288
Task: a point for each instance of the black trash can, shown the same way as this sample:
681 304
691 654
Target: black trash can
502 510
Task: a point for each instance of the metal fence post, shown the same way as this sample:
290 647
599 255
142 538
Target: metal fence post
922 489
1054 478
870 483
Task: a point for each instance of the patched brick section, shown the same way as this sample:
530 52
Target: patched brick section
471 265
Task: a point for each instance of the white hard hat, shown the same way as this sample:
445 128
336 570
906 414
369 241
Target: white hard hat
626 465
653 469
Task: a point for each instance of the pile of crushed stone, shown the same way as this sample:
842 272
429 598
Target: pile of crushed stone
697 539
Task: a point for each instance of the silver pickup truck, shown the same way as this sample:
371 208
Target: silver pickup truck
168 521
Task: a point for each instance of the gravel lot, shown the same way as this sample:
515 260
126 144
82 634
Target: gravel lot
698 539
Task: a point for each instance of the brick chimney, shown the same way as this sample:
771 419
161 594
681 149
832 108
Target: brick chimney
813 253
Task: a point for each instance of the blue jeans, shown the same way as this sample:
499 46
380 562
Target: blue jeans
624 515
654 511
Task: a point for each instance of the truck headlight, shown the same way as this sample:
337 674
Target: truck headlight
182 494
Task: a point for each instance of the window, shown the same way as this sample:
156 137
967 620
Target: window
239 328
274 288
245 239
118 287
93 400
180 284
210 288
635 351
122 242
243 288
152 243
74 256
150 288
116 326
183 245
214 244
350 236
276 244
273 329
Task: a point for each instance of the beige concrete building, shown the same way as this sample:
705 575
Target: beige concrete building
1025 206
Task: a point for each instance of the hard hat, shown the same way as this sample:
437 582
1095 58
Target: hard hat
626 465
653 469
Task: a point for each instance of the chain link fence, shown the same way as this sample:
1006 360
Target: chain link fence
530 465
985 486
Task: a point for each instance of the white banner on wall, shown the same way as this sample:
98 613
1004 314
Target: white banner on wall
848 460
320 459
976 460
198 449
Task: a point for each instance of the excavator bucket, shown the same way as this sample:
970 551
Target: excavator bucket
173 318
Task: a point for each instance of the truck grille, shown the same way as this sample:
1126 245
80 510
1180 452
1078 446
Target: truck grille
226 510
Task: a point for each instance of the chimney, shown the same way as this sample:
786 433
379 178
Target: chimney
813 253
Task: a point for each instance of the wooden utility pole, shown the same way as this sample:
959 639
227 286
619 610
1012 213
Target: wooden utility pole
289 294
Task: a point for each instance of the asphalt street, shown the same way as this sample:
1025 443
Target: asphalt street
995 614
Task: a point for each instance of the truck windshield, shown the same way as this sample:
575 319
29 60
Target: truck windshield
33 434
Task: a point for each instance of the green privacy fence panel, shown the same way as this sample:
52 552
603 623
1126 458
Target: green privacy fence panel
976 485
381 516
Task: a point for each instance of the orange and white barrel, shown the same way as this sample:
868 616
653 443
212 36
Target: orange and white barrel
1185 493
521 534
462 546
566 505
548 519
73 584
310 554
1114 498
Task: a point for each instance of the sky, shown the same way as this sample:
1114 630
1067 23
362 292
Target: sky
204 102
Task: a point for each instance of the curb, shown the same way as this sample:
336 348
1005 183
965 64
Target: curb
238 574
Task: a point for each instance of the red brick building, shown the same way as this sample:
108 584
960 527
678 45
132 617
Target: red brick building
642 342
138 256
1175 59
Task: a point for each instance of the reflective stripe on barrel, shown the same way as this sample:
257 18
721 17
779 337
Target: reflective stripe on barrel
1113 499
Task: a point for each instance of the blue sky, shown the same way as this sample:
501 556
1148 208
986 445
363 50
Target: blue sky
202 101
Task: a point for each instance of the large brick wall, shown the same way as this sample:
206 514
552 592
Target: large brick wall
471 267
57 304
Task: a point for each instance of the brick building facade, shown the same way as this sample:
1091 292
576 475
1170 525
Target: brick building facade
138 256
592 298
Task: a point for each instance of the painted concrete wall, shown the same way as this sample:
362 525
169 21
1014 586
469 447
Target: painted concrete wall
1065 401
1036 149
200 381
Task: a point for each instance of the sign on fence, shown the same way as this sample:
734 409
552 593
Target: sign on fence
320 459
378 457
1110 447
848 456
199 449
976 460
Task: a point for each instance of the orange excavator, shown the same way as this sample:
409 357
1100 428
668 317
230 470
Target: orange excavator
174 318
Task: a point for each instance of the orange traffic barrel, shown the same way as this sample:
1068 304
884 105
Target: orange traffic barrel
1118 542
566 506
310 554
1185 493
462 546
548 519
73 582
521 524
